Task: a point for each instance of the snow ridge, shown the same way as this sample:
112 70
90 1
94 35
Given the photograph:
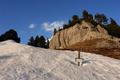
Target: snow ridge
22 62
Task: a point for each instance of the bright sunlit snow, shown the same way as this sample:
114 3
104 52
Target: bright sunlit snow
22 62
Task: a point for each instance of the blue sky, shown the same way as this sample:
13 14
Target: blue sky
38 17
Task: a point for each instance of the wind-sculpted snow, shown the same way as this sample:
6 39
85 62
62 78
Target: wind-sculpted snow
22 62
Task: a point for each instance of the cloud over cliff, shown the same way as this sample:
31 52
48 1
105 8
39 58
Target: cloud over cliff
50 26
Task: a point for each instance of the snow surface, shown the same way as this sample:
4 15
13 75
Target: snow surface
22 62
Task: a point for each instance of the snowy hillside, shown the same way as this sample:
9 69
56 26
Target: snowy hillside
22 62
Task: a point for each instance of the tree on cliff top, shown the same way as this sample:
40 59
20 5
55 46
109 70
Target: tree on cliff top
101 18
87 16
113 28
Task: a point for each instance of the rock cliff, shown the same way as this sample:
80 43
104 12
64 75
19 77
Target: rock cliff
79 33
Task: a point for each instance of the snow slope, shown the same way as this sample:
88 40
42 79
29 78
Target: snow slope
22 62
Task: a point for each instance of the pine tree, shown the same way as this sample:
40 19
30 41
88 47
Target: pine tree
101 18
85 15
113 22
75 19
37 41
55 31
113 28
47 43
42 42
10 35
31 41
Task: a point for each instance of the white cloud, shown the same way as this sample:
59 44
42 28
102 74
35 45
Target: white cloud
50 26
32 26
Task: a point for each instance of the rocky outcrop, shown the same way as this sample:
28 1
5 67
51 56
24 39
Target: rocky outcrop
78 33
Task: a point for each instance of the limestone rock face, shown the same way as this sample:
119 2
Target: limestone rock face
77 33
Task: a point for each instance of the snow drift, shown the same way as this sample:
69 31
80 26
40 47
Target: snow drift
22 62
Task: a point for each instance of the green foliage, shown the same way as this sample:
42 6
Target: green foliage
65 26
101 18
39 41
75 19
87 16
42 42
47 43
31 41
113 28
55 31
94 23
10 35
113 22
70 23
